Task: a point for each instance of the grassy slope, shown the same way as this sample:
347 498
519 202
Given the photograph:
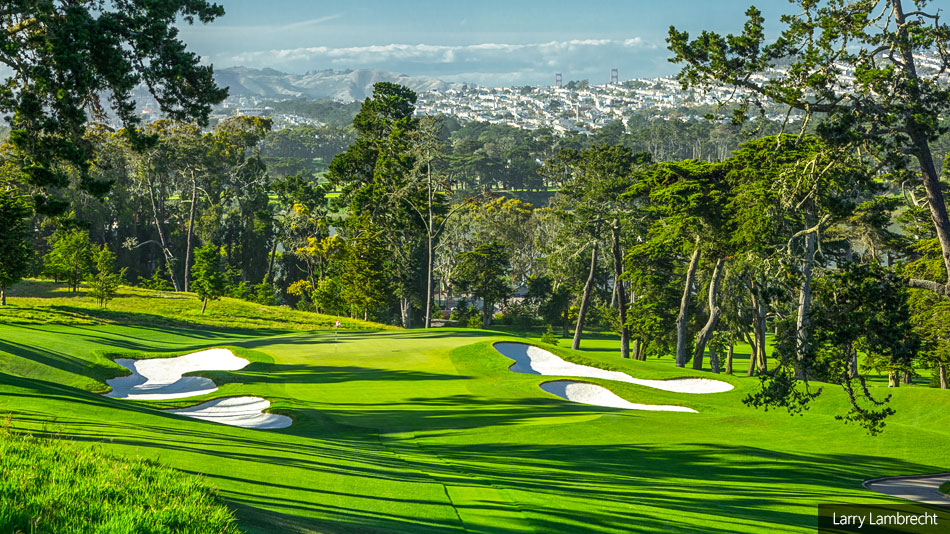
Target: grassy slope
419 431
52 485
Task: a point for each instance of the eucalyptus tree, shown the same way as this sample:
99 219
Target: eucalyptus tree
64 57
427 191
856 67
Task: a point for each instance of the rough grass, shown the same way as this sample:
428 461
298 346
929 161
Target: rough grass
44 302
54 485
945 488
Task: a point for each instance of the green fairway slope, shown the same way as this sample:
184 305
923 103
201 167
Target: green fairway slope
428 431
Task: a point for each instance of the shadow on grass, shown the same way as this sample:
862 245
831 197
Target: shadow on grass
560 486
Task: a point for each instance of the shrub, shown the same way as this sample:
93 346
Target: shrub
550 336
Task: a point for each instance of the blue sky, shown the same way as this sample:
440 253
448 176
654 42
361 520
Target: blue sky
494 42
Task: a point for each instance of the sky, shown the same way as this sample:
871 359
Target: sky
492 43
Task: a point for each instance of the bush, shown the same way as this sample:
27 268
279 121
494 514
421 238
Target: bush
156 282
550 336
518 315
53 485
474 322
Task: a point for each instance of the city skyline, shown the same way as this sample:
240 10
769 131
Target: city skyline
493 44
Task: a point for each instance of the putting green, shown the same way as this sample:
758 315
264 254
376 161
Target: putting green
428 431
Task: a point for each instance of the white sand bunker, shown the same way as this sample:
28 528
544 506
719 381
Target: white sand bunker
537 361
160 378
585 393
246 412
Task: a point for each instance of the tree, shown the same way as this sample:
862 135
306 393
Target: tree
591 202
209 280
71 256
66 55
107 280
858 308
15 250
686 205
426 193
372 173
787 192
853 65
484 273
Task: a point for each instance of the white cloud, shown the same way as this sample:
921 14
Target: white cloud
507 63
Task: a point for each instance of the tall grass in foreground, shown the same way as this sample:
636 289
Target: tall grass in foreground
53 485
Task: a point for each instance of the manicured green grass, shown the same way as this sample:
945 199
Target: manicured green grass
54 485
427 431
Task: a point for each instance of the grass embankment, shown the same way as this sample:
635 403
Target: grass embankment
43 302
54 485
428 431
945 488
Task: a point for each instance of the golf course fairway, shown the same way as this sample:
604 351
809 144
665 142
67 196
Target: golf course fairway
428 431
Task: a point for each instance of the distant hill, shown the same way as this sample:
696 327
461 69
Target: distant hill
342 86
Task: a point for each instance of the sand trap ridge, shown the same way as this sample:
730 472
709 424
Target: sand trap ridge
537 361
160 378
586 393
247 412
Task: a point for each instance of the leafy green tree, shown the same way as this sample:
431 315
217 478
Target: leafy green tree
104 284
855 66
592 205
686 202
70 258
858 308
483 272
15 249
66 55
788 192
210 282
372 172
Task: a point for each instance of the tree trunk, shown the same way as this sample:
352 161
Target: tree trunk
714 360
429 265
636 349
3 294
169 258
204 305
936 200
907 378
585 299
853 363
684 309
729 355
804 303
893 378
758 329
191 226
268 276
487 312
620 291
942 370
714 311
566 330
405 311
753 350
